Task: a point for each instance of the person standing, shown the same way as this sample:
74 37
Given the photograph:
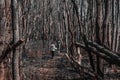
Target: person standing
52 49
59 45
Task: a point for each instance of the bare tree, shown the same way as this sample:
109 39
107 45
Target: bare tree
15 28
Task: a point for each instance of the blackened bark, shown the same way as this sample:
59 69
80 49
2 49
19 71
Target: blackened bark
98 33
15 29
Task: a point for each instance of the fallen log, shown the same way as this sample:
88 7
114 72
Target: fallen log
107 58
72 61
9 48
80 68
105 51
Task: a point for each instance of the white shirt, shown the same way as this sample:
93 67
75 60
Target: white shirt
52 47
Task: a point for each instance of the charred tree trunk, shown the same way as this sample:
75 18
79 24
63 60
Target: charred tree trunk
15 29
98 33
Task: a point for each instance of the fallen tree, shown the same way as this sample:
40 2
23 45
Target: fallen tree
106 54
9 48
80 69
96 49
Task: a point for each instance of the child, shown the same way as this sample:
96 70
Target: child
52 49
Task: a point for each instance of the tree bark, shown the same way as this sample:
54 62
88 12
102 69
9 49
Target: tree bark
98 33
15 28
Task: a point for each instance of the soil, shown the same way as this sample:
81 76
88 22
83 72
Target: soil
47 68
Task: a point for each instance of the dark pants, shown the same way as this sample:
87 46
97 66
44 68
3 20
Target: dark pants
52 52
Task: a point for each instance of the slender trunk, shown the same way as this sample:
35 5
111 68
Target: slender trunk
98 35
66 24
15 28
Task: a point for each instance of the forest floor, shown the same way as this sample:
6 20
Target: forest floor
47 68
39 65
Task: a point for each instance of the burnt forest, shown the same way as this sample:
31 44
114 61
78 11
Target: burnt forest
59 39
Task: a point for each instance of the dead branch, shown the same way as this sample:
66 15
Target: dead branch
79 67
105 51
9 48
102 52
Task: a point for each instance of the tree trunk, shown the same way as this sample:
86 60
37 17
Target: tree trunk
15 28
66 25
98 33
